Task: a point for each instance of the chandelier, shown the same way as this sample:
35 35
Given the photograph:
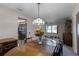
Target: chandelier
38 21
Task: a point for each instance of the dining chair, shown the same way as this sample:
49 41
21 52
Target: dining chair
58 51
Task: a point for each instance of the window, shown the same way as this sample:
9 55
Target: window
48 29
51 29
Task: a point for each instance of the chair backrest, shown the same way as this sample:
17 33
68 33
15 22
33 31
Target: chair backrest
58 50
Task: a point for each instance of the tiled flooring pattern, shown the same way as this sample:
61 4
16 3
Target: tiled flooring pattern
68 51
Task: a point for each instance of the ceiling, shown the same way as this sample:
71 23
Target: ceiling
50 12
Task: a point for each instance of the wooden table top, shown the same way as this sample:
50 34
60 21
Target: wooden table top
32 49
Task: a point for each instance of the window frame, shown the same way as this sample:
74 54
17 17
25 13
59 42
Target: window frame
51 29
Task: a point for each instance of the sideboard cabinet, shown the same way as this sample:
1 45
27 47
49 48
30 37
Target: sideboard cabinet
6 45
67 36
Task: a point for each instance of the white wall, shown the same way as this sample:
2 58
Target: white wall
76 10
30 28
9 25
74 34
8 22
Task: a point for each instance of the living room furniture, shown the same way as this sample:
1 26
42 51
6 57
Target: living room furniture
32 49
67 36
7 44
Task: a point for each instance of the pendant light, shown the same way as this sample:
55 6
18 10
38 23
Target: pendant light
38 20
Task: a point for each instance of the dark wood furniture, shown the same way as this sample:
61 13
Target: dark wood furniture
7 44
32 49
67 36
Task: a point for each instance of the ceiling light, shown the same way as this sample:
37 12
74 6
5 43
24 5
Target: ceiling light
38 20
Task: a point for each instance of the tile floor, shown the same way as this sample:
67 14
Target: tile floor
68 51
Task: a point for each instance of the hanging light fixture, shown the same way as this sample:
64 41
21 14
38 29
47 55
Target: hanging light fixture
38 21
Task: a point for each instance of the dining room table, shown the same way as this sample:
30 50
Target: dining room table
33 48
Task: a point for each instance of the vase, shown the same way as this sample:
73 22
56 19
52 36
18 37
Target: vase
40 40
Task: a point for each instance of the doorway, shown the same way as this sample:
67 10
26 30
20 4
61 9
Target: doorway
22 31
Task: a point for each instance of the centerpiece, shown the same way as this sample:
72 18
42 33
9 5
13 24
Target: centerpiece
39 33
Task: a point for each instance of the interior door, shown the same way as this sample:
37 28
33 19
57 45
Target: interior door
22 31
